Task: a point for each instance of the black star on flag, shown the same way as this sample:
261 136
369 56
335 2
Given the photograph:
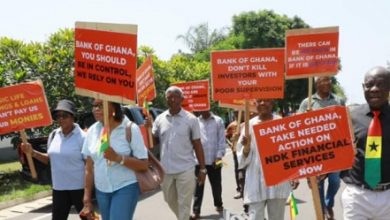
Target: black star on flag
373 146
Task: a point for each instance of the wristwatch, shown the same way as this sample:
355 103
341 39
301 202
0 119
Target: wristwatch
204 170
122 161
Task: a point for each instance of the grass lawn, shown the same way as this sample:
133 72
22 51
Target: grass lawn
13 186
10 167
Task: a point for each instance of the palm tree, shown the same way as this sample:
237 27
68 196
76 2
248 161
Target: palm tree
199 38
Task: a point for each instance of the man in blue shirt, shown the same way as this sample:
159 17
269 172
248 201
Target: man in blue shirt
212 132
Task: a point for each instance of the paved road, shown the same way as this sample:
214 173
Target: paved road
153 206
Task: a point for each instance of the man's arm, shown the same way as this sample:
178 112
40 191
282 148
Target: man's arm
200 156
221 139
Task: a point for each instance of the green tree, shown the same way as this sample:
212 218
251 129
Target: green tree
266 29
52 62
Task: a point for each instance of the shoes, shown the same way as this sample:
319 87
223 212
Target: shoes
238 196
194 216
219 208
329 213
246 209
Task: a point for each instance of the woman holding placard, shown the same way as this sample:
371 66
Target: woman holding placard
109 165
66 160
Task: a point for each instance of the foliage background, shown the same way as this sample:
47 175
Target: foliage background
53 61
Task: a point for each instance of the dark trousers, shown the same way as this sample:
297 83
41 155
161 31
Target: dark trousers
214 175
63 201
236 172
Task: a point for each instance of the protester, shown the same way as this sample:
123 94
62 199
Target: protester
256 194
324 98
213 141
229 134
367 194
232 133
179 135
66 161
112 171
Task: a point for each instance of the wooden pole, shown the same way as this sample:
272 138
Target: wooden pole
247 113
313 179
149 130
29 156
107 123
236 131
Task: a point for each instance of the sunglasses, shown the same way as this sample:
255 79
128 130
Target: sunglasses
97 106
62 115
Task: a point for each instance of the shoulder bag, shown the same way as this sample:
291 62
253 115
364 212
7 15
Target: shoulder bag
150 179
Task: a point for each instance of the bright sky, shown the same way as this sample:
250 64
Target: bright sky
364 25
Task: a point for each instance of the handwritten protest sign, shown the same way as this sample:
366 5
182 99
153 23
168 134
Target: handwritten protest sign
312 51
248 74
146 89
23 106
303 145
105 60
196 95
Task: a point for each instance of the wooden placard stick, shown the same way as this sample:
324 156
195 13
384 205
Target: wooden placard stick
313 179
29 156
106 120
237 131
247 117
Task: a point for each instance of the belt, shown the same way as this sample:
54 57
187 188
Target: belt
379 188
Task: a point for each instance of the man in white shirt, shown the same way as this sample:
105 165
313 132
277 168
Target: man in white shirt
256 194
178 133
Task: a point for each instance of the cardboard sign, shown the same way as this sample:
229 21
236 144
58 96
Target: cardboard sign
23 106
196 95
146 88
238 104
248 74
312 52
303 145
105 61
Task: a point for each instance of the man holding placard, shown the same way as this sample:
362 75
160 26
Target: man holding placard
256 194
367 195
323 98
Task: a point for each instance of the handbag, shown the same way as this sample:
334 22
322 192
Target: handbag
150 179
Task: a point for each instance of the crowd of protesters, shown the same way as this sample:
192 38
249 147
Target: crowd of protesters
192 149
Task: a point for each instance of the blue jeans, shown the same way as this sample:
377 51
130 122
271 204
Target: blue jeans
333 187
120 204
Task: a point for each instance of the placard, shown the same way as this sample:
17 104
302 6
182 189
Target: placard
238 104
146 89
248 74
23 106
312 52
303 145
105 61
196 95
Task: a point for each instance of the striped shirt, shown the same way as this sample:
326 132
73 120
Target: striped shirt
212 132
176 133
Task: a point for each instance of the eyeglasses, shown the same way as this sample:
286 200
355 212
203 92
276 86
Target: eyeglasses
62 115
97 106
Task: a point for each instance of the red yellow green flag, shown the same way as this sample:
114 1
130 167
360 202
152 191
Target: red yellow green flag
103 141
145 107
293 206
